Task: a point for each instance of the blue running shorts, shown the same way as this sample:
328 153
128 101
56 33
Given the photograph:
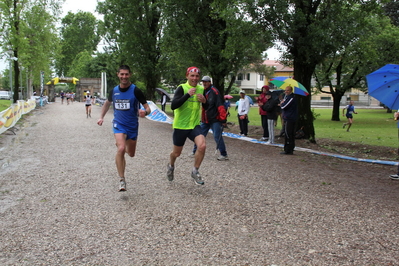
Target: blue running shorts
130 133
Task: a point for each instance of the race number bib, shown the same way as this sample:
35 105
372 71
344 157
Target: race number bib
122 104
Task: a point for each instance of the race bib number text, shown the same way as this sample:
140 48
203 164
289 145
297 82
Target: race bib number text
122 104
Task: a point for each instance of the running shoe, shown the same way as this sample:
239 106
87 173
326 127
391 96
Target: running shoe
197 178
394 177
169 173
122 186
263 139
343 125
223 158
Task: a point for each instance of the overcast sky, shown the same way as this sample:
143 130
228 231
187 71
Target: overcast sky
75 5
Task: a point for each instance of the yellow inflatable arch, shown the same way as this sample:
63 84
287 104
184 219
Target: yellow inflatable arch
62 80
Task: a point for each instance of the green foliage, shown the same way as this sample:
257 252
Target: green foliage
28 30
213 35
371 47
79 33
62 87
311 31
135 30
391 10
80 65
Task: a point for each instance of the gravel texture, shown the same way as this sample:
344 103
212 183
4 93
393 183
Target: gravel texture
60 205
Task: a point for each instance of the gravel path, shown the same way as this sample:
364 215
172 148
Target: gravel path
59 203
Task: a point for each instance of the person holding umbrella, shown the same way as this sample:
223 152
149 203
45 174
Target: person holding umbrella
227 104
213 117
164 97
163 101
396 118
289 107
383 84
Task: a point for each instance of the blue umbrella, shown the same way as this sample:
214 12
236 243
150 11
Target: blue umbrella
383 84
251 102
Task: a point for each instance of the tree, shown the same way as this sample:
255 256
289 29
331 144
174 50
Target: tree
133 30
391 10
42 42
213 35
79 32
375 45
79 66
310 30
18 36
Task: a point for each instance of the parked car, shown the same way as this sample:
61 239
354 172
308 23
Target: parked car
5 95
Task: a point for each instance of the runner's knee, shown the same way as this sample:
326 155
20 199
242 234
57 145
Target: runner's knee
201 147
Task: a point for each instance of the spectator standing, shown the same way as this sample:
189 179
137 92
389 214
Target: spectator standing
261 100
396 118
126 99
242 113
271 108
163 101
350 110
289 108
186 104
213 117
227 106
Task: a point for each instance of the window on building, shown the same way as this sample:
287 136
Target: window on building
240 76
249 76
262 77
325 98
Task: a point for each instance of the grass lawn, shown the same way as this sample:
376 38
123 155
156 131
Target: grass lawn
4 104
370 126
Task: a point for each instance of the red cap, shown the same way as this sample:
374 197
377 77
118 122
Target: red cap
193 69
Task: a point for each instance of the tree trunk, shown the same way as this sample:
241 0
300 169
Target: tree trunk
306 118
336 105
303 74
16 78
219 84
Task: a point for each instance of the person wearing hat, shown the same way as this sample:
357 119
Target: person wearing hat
126 99
186 104
271 108
263 114
213 117
88 101
242 113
